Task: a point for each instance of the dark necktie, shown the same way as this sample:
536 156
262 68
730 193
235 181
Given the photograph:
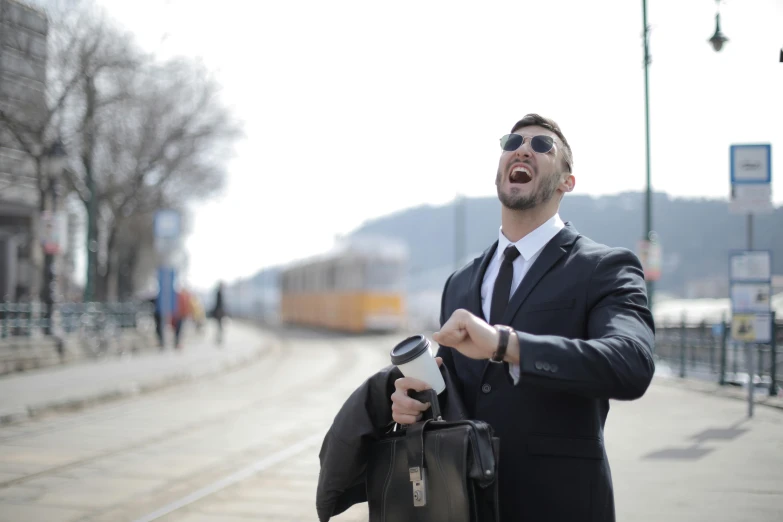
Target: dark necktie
502 290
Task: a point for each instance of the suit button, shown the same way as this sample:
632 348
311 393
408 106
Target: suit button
553 368
546 366
538 365
486 388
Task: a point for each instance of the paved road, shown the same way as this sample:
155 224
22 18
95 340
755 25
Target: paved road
244 447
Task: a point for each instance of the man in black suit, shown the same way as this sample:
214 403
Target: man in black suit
579 332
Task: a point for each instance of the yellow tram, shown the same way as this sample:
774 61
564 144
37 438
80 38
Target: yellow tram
359 286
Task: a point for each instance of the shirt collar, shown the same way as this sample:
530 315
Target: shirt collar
535 241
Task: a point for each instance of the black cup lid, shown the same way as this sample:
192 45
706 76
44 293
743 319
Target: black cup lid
409 349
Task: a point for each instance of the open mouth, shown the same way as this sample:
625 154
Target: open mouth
520 174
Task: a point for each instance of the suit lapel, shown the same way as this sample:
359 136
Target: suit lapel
550 255
474 293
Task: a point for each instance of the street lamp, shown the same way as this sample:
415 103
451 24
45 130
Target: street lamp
718 38
55 158
648 232
649 238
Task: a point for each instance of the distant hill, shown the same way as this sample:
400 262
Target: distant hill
696 236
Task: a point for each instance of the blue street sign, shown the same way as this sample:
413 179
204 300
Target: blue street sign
165 305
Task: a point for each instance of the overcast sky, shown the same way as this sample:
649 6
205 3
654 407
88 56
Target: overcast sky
353 110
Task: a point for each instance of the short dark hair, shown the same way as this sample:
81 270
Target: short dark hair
534 119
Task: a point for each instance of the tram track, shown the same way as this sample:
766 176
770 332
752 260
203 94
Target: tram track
342 363
231 477
275 392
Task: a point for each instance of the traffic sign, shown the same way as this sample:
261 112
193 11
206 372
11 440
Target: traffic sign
751 179
166 224
750 266
650 256
752 328
166 230
750 297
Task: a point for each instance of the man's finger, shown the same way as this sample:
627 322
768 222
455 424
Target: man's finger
402 418
439 360
404 404
404 384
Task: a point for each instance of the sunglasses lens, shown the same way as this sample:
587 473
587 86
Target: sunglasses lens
542 144
510 142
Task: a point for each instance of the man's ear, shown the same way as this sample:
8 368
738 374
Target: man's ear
568 184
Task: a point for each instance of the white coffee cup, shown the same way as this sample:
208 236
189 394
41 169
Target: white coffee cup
414 359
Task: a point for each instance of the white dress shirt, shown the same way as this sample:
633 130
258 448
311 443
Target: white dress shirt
529 248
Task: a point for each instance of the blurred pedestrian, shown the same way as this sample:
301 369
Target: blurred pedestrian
158 320
218 312
197 313
182 311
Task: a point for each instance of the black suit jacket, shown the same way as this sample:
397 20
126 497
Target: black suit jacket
586 336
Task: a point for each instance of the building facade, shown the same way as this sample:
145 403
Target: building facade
23 51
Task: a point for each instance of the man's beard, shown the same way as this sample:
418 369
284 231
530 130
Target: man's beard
545 192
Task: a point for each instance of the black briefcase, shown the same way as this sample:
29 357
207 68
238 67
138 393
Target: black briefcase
434 471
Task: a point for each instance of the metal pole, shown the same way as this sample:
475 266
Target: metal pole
723 346
459 231
773 386
682 347
749 357
648 195
749 347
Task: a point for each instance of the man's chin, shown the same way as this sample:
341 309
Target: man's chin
518 202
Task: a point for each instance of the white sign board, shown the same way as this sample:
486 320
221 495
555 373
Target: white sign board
751 163
751 328
167 224
751 179
750 265
751 198
166 227
750 297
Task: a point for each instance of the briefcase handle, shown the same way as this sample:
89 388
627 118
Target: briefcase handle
426 396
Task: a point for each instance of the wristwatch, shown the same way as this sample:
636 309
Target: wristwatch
505 333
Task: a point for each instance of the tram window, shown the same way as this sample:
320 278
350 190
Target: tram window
350 275
309 279
385 275
330 276
318 278
343 272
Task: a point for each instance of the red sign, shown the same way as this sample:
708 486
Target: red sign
650 256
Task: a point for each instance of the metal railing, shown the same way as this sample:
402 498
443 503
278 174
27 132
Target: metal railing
707 352
95 327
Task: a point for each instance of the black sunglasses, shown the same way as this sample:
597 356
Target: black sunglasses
541 144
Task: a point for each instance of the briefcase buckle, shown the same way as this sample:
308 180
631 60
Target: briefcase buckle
418 478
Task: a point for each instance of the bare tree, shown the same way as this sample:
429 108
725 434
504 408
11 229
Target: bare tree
141 135
82 48
165 144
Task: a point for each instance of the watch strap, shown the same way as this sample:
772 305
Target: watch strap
504 335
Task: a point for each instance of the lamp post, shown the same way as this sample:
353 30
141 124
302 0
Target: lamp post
459 231
648 192
55 158
718 38
717 41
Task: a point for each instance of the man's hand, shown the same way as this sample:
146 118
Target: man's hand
469 335
404 409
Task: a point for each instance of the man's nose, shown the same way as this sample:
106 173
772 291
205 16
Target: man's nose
524 150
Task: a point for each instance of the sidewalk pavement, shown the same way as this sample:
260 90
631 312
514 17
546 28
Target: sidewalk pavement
77 385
